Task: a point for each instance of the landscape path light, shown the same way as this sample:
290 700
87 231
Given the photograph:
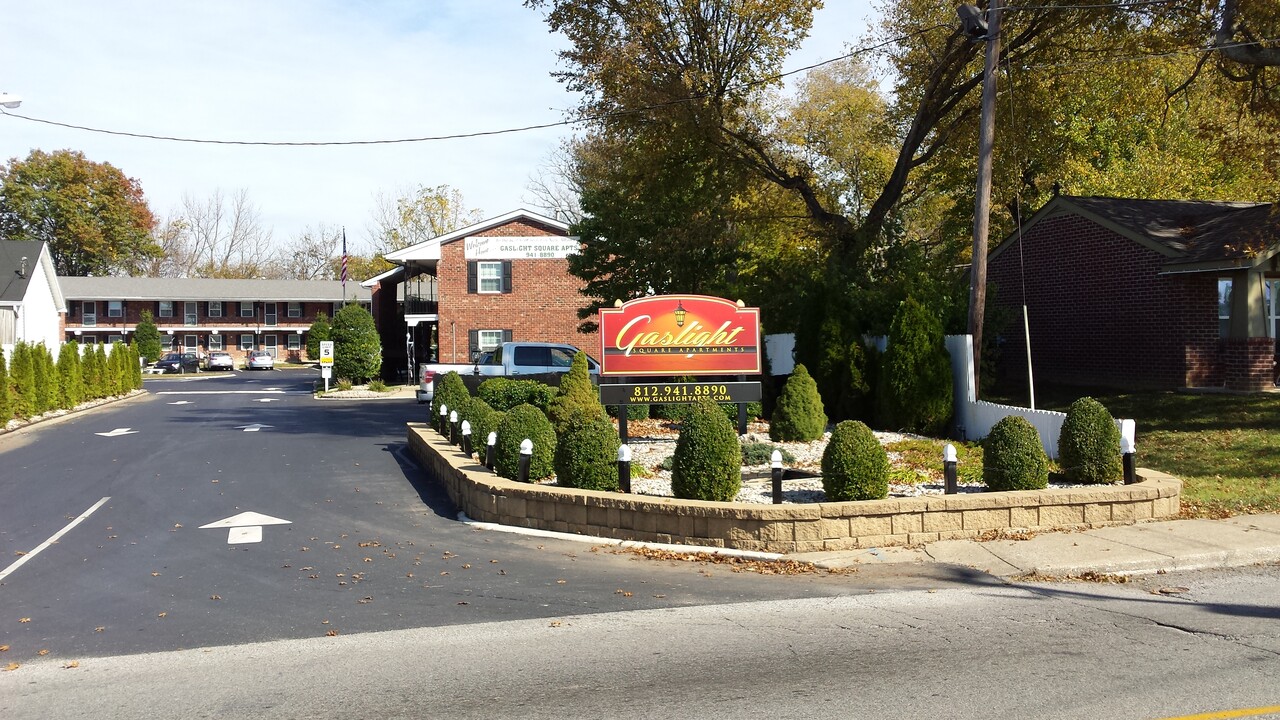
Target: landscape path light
488 451
950 477
624 467
466 439
526 455
775 472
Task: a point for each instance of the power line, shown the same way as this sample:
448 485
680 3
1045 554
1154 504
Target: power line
480 133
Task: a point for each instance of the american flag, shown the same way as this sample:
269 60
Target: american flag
344 258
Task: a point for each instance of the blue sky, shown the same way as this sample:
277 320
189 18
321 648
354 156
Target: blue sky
305 71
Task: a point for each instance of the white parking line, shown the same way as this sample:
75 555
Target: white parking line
7 571
270 391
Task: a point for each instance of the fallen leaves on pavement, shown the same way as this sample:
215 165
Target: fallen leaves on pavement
737 564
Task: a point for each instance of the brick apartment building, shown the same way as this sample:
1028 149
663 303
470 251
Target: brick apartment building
204 314
463 293
1141 294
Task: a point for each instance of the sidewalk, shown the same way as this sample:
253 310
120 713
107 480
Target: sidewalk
1131 549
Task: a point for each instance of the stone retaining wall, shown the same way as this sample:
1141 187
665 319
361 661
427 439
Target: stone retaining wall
807 527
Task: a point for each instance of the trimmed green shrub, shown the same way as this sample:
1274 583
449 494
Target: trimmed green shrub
577 397
484 420
854 464
1013 458
6 410
730 410
320 330
707 464
357 348
519 423
147 337
915 384
634 412
669 411
450 392
758 453
46 379
22 382
1089 444
502 394
587 454
92 364
798 416
121 377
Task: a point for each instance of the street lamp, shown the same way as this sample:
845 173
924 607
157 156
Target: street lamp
10 101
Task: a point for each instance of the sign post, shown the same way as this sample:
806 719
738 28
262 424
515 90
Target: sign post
326 362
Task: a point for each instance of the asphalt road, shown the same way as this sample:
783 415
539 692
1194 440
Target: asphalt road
370 544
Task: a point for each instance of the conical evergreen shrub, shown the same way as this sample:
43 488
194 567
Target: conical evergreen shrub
577 397
519 423
1089 444
798 415
46 379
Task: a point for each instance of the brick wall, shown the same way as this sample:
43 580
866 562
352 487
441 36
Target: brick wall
1249 363
1100 312
541 307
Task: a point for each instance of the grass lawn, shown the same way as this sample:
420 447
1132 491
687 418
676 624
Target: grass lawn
1225 448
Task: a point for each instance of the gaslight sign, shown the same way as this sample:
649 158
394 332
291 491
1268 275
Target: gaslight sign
680 335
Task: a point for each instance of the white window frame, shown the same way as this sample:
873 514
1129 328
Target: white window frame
115 308
166 309
89 314
247 342
495 339
295 342
491 272
89 340
246 309
215 308
295 309
112 339
215 341
269 344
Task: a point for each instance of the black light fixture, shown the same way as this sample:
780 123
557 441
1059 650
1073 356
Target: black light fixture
679 314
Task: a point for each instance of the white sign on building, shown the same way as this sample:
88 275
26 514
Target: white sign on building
541 247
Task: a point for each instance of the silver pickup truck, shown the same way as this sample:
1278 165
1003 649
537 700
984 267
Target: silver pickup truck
530 360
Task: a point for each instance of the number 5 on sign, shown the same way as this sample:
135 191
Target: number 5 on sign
326 353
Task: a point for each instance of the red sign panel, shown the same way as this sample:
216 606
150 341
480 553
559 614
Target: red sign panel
680 335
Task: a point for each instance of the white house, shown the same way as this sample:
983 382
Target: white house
31 303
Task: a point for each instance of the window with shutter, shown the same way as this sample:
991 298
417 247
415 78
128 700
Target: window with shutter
471 277
506 276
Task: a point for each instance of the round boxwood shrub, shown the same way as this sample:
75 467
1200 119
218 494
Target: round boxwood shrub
1089 444
587 454
482 420
798 416
854 464
707 464
1013 458
525 421
502 394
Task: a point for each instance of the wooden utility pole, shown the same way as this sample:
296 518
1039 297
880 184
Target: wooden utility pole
982 212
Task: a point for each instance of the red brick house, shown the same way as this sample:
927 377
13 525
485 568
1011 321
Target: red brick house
204 314
1142 294
463 293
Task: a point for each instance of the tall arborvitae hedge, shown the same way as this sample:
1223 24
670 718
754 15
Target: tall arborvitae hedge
6 411
93 369
915 384
23 382
46 379
135 367
147 337
70 383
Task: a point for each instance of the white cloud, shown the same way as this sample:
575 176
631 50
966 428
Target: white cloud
303 71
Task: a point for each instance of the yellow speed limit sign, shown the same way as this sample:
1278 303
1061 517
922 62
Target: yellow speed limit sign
326 353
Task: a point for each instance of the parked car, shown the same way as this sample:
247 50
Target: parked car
218 360
178 363
260 360
527 360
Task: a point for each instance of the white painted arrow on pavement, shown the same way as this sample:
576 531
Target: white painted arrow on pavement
118 432
181 402
267 400
253 428
245 527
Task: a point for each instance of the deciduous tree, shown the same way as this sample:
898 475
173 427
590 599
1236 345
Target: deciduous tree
94 219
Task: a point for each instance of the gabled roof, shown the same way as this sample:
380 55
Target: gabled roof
1194 235
131 288
13 278
430 249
